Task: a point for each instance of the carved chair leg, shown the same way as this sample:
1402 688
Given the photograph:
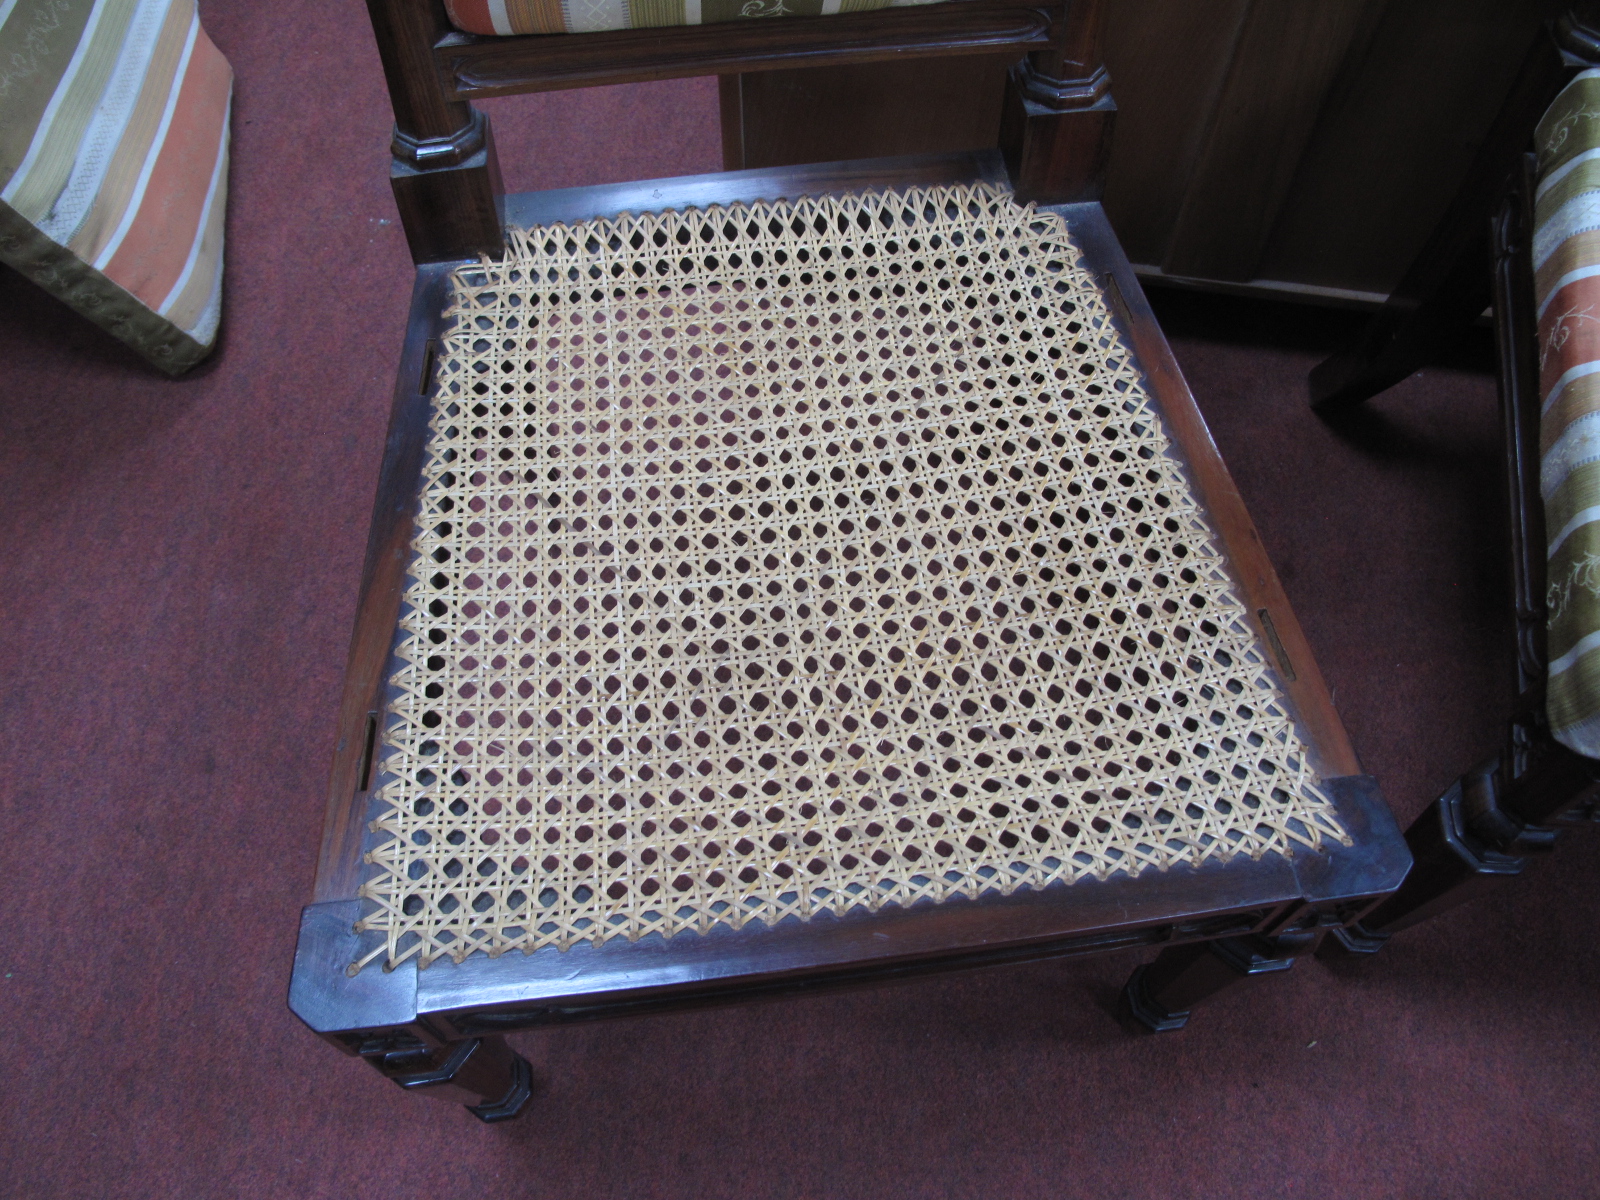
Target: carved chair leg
1161 995
485 1074
1452 867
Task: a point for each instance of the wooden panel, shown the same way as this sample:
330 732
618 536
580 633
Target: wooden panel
1287 57
931 106
1306 142
1397 137
1168 61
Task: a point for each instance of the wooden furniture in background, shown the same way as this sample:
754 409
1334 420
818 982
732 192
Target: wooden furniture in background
1272 147
440 1031
1487 823
446 177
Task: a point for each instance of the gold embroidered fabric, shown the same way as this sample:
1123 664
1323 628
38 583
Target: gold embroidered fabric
801 557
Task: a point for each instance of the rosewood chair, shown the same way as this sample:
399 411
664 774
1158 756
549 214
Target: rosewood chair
1488 823
799 578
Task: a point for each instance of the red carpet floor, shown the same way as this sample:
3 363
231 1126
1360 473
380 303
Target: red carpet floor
180 566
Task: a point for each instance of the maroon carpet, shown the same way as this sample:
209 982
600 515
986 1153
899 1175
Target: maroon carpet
180 565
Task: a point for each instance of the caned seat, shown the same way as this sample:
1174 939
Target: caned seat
789 579
790 559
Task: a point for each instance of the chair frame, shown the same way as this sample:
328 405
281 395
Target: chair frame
1491 820
1055 131
441 1031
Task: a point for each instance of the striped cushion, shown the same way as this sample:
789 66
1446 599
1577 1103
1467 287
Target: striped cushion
594 16
1566 261
114 165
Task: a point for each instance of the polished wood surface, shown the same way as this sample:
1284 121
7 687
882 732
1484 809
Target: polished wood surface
406 33
1281 68
1057 114
819 114
452 206
444 174
1318 161
1055 153
378 608
1396 133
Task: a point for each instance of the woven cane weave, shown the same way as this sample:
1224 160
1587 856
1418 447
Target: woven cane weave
805 557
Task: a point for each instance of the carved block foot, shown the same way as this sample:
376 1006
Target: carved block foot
509 1105
1161 996
485 1074
1136 1003
1352 941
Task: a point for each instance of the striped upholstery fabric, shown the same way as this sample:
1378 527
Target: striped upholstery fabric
1566 260
594 16
114 166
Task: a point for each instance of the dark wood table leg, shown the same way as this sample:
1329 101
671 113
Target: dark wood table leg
1162 994
484 1073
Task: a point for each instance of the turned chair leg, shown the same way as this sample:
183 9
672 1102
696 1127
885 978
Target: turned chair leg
485 1074
1162 994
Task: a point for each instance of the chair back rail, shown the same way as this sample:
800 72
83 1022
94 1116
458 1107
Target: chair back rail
472 66
1055 129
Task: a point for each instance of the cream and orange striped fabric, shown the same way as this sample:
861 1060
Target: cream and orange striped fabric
505 17
114 165
1566 261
